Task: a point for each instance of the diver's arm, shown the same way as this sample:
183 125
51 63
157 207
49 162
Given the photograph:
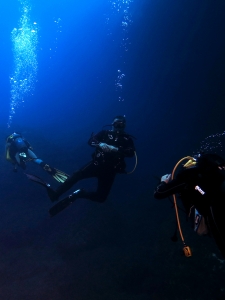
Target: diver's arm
96 139
7 145
33 157
7 155
128 149
27 144
164 190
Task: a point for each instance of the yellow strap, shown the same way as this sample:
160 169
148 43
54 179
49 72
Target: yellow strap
8 156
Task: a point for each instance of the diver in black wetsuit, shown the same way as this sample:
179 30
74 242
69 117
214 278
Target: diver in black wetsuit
18 151
111 147
202 185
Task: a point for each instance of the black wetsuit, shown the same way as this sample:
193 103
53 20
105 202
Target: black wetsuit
104 165
206 191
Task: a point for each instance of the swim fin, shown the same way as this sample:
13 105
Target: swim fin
61 205
51 193
58 175
38 180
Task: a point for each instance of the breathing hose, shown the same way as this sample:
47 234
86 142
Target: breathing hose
135 166
191 161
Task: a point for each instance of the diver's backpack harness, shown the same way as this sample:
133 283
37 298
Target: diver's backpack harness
191 162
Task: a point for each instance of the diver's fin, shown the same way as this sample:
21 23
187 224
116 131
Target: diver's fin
60 176
61 205
37 180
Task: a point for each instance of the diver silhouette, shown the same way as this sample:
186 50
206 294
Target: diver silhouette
200 184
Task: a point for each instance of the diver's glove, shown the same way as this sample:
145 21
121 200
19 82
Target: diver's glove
58 175
112 148
166 178
107 148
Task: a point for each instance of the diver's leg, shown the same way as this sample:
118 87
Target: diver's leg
87 171
34 157
17 157
105 182
11 158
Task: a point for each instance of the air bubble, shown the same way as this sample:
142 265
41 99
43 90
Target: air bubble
25 41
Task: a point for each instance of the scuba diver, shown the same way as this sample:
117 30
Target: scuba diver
111 147
200 185
18 151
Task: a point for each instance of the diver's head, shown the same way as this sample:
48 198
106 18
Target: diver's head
12 136
119 123
210 162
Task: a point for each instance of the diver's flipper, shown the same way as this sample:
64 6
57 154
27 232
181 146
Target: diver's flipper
38 180
51 193
61 205
60 176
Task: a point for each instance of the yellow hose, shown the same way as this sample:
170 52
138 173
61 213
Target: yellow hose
191 161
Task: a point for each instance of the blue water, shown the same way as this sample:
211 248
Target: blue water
173 97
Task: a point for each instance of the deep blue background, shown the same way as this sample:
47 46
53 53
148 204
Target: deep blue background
174 97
